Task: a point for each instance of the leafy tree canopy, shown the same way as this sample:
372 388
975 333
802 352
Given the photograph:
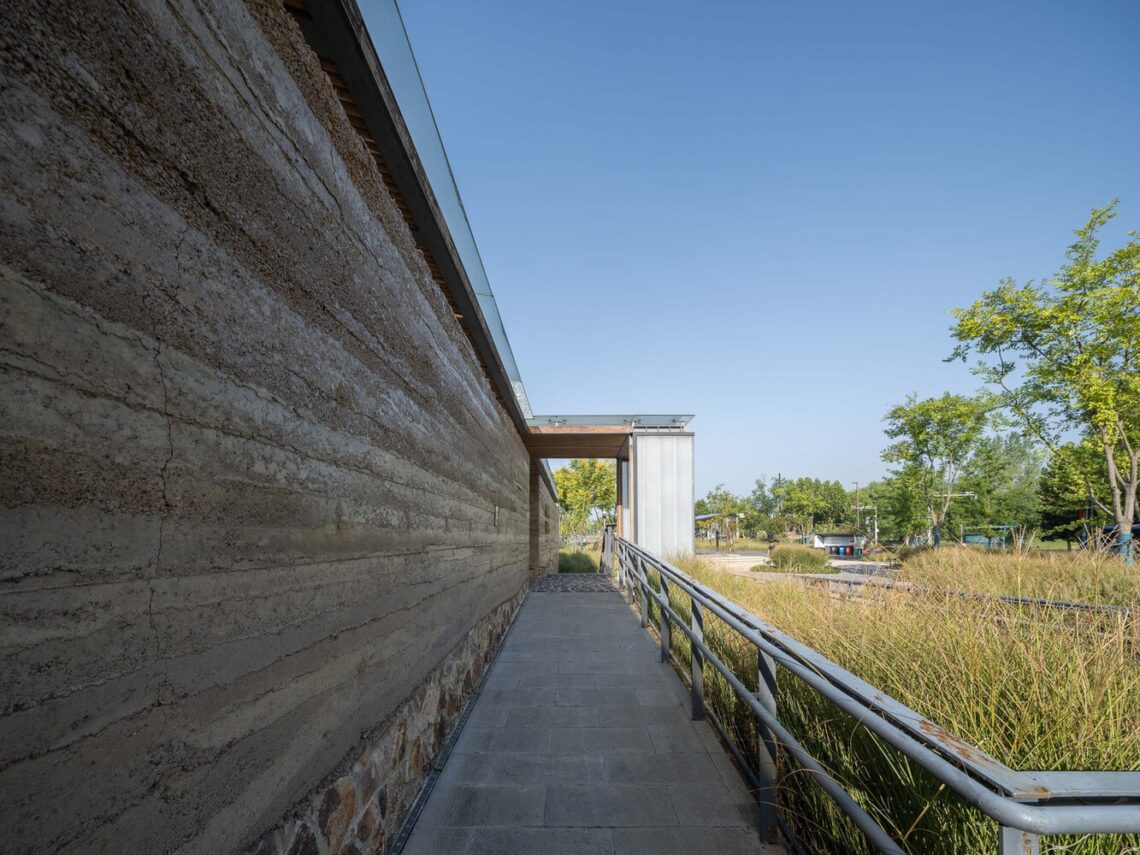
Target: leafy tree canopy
586 489
934 438
1063 494
1065 357
1003 474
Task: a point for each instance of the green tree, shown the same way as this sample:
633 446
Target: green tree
1062 495
798 503
723 502
812 502
587 489
1003 473
1065 356
837 503
933 439
898 499
900 510
802 502
763 499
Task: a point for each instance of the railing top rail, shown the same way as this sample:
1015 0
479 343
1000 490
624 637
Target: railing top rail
1108 801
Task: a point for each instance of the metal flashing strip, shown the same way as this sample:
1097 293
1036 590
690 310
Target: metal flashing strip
632 422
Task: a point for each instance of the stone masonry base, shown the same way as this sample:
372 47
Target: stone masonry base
360 809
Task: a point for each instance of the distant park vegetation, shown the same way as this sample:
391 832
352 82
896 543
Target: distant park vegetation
1046 453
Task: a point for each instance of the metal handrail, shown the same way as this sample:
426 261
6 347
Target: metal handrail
1025 804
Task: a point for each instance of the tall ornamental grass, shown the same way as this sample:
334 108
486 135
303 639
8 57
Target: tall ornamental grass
578 562
1085 576
1034 694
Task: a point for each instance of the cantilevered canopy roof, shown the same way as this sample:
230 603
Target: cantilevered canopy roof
591 436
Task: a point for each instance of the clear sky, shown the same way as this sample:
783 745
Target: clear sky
761 212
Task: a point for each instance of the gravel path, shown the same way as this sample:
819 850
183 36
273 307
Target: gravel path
573 583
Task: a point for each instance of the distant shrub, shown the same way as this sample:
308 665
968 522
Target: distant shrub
576 562
796 558
904 553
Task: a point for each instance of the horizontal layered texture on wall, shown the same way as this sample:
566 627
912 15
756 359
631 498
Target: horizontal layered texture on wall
255 483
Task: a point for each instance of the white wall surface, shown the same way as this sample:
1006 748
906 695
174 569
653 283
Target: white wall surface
663 492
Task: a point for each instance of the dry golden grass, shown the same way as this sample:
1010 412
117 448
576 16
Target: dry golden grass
1035 689
1091 577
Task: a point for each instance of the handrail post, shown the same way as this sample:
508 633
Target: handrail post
609 547
642 589
666 650
766 759
630 581
697 624
1014 841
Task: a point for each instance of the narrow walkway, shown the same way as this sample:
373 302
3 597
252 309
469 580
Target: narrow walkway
581 743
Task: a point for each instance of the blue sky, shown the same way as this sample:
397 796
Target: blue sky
761 212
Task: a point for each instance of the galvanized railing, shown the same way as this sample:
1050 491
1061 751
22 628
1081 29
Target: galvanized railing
1025 805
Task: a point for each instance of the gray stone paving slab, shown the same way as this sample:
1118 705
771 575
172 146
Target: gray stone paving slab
533 841
520 768
489 740
561 841
604 680
473 805
598 667
552 717
581 743
520 697
559 681
675 737
626 716
658 696
609 805
676 768
490 715
712 804
433 841
690 841
605 739
595 697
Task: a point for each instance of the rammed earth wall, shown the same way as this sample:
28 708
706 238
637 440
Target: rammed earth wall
543 525
261 515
